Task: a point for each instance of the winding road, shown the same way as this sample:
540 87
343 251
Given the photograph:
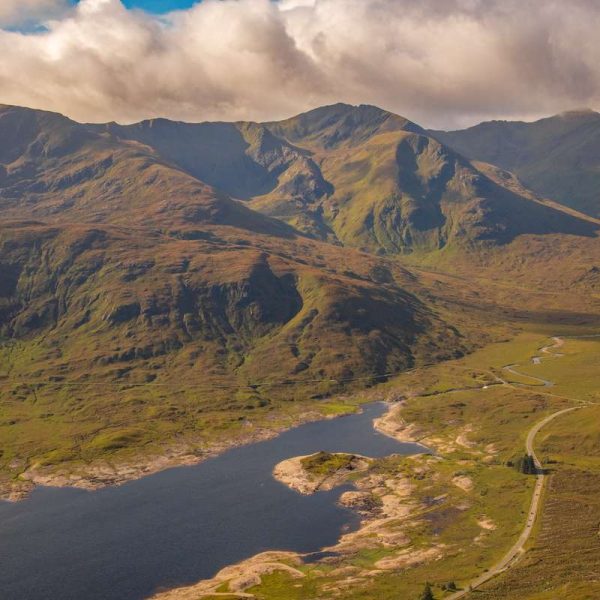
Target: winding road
537 360
518 548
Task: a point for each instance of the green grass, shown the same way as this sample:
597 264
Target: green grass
325 463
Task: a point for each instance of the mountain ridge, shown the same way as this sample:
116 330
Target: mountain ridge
555 156
293 176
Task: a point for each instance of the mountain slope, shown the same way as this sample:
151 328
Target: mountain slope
54 169
352 175
129 217
557 157
396 189
135 296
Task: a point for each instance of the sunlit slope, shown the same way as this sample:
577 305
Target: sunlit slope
357 176
352 175
395 189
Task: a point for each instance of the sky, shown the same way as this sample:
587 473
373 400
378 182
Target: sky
159 6
442 63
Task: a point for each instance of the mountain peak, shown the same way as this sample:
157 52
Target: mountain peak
578 115
557 157
330 126
578 112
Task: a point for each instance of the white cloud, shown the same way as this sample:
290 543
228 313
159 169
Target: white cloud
439 62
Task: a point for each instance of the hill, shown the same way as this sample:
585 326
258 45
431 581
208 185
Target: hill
171 284
354 175
557 157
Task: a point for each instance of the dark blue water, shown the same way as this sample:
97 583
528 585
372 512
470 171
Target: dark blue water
181 525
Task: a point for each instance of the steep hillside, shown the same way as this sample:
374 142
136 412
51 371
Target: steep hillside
352 175
54 169
557 157
396 189
240 159
120 340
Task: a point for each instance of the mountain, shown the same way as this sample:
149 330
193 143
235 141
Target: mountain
54 169
557 157
106 234
356 176
162 281
267 194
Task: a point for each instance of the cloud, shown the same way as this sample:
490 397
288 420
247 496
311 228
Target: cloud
14 13
438 62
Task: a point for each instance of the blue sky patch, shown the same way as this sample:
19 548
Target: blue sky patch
159 6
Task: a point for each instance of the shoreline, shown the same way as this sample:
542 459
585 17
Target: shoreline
386 507
104 473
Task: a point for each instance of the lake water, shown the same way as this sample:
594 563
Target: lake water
181 525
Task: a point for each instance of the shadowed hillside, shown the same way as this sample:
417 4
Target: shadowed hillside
557 157
60 171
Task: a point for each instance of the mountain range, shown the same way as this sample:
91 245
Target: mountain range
228 256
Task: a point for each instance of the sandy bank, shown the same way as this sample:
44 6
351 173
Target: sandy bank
107 471
291 473
394 426
238 578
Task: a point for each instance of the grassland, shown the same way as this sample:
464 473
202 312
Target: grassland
564 558
466 503
325 463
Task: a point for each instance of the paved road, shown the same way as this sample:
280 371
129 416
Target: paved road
518 548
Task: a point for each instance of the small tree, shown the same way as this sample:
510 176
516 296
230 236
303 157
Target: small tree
526 465
427 593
